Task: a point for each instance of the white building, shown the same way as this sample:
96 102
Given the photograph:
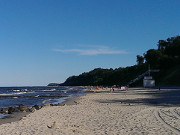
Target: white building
148 81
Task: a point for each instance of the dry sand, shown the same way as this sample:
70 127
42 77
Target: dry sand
133 112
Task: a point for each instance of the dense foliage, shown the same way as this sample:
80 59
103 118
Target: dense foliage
166 58
167 55
99 76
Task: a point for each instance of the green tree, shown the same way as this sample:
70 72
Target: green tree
140 60
153 57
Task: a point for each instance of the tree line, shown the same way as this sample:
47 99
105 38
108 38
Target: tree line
166 58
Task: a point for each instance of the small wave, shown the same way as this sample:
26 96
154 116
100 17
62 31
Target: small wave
70 88
18 93
64 90
24 90
11 94
46 101
54 101
50 90
16 90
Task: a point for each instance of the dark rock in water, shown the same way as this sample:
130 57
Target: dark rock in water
23 108
11 110
37 107
32 109
4 110
16 109
60 104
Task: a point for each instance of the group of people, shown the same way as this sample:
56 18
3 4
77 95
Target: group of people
111 88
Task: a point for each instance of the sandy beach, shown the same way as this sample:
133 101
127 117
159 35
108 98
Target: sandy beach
136 111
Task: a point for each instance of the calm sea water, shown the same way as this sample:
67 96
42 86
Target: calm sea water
29 96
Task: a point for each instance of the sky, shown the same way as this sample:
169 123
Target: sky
46 41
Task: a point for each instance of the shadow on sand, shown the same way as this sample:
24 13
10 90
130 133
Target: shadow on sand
152 97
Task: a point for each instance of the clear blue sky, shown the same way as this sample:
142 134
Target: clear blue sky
43 41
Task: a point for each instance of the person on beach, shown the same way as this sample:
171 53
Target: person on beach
126 88
97 87
111 90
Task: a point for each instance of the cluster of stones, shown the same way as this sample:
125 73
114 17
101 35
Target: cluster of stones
23 108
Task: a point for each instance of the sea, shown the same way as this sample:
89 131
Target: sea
30 96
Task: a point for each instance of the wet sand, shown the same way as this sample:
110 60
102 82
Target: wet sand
13 117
